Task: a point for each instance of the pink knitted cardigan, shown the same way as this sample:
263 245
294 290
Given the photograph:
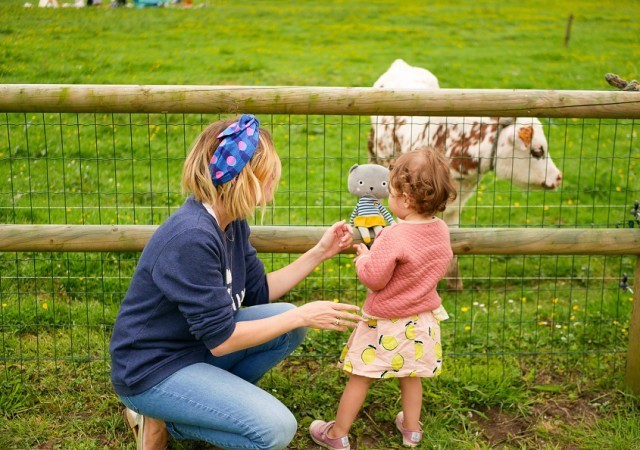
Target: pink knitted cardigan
404 266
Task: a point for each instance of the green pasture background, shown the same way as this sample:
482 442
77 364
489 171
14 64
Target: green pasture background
525 332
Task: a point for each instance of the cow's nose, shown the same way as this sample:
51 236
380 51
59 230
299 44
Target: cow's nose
559 178
371 188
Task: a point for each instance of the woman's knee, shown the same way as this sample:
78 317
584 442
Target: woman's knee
281 429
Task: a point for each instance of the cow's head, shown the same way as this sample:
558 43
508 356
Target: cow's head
522 156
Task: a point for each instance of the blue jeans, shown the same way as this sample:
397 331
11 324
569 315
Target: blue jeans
218 402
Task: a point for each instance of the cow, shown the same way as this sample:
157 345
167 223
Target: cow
514 148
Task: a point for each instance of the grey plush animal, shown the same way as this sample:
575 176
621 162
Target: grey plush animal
369 182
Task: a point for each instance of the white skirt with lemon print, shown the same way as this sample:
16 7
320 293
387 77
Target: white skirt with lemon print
388 348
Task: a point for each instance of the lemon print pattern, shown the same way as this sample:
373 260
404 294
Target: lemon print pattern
343 355
368 354
410 331
397 362
418 350
388 342
347 367
387 374
372 323
438 351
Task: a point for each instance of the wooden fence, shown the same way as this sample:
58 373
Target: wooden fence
343 101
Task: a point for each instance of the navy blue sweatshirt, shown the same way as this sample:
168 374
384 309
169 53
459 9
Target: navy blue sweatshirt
190 280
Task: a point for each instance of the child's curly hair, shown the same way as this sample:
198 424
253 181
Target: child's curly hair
424 176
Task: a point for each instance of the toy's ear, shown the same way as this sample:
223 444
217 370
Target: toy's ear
353 168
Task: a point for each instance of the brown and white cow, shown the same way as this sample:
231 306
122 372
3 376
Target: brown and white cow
515 148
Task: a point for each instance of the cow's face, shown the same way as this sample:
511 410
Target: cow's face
522 158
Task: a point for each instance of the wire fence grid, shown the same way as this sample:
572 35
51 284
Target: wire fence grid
527 314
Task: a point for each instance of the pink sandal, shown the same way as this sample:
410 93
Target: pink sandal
409 438
319 430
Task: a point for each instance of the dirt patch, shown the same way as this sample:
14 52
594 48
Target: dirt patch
544 423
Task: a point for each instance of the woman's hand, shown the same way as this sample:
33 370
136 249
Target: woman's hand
327 315
337 238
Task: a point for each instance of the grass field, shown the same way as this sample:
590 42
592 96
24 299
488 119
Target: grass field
536 345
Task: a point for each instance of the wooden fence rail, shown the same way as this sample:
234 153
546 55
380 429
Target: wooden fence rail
298 239
77 98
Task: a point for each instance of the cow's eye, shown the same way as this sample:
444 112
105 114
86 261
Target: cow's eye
384 184
537 153
361 183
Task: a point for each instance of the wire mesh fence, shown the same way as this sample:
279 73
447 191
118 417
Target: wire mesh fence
516 314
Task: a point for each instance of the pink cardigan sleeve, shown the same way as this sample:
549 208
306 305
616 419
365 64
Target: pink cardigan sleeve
376 268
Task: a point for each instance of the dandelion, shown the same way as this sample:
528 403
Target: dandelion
524 299
615 322
575 307
464 309
4 305
555 300
44 306
336 300
467 328
618 188
516 204
569 202
542 322
546 207
623 331
347 266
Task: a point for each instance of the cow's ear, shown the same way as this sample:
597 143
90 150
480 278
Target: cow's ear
353 168
526 133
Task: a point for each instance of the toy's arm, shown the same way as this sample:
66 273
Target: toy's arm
354 213
386 214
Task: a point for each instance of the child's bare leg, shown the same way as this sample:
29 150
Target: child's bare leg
352 399
411 389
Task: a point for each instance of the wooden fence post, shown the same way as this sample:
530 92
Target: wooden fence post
632 375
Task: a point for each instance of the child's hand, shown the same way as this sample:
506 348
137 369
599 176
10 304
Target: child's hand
361 250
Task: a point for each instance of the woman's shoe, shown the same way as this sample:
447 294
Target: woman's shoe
319 430
136 422
409 438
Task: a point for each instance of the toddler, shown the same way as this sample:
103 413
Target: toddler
400 337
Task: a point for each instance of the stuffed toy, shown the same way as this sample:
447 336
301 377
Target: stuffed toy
370 182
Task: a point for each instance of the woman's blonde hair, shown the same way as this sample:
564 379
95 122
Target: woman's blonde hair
243 194
424 176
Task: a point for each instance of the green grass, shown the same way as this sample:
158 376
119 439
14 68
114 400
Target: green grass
535 347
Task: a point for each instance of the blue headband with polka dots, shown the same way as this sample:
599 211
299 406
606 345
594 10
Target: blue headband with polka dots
238 144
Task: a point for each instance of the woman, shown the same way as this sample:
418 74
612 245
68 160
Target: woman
185 353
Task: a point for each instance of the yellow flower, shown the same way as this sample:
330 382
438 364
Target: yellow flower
467 328
347 265
555 300
4 305
542 322
575 307
44 306
464 309
523 299
516 204
624 331
336 300
618 188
